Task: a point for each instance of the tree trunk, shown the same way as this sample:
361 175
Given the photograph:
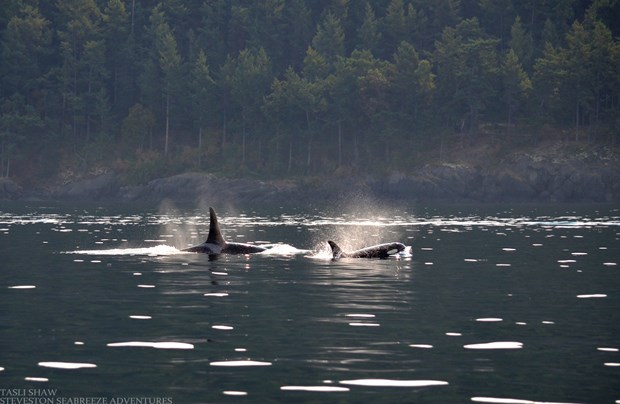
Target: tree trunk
309 157
243 145
199 146
577 123
339 143
290 156
167 125
224 129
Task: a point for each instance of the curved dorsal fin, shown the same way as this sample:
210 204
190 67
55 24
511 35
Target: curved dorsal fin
336 251
215 235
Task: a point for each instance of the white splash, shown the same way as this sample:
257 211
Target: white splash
154 251
282 249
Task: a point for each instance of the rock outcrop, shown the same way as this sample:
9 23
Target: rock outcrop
555 175
519 178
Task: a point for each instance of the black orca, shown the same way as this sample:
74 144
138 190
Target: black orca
375 251
216 244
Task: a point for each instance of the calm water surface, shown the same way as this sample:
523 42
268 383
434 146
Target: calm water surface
493 305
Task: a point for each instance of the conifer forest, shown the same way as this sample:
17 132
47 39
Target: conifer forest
296 87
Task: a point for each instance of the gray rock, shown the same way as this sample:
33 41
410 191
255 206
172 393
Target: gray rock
104 186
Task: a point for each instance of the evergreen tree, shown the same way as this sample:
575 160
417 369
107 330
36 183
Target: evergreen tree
413 79
202 92
83 69
24 46
169 62
299 31
369 36
248 78
521 42
467 72
516 84
118 57
393 27
329 39
137 128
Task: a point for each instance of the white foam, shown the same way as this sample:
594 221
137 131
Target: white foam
282 249
148 251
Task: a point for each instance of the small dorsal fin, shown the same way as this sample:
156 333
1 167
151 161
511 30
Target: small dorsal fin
215 235
336 251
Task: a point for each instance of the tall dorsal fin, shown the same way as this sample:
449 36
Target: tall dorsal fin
215 235
336 251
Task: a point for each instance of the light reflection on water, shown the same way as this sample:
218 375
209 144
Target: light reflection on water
487 306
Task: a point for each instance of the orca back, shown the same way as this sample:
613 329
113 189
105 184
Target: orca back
377 251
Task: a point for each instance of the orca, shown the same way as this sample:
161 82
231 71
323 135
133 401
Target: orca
375 251
216 245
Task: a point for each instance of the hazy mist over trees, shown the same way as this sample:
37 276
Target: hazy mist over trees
293 87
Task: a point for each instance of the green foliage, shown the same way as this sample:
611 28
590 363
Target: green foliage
137 128
295 86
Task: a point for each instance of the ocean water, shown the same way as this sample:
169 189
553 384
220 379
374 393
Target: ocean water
489 304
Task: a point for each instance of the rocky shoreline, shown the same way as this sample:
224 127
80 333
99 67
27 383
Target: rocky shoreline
520 177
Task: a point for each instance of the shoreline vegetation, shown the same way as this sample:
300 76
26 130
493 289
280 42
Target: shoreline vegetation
564 173
452 100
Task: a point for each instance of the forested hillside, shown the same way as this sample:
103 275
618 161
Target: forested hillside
293 87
